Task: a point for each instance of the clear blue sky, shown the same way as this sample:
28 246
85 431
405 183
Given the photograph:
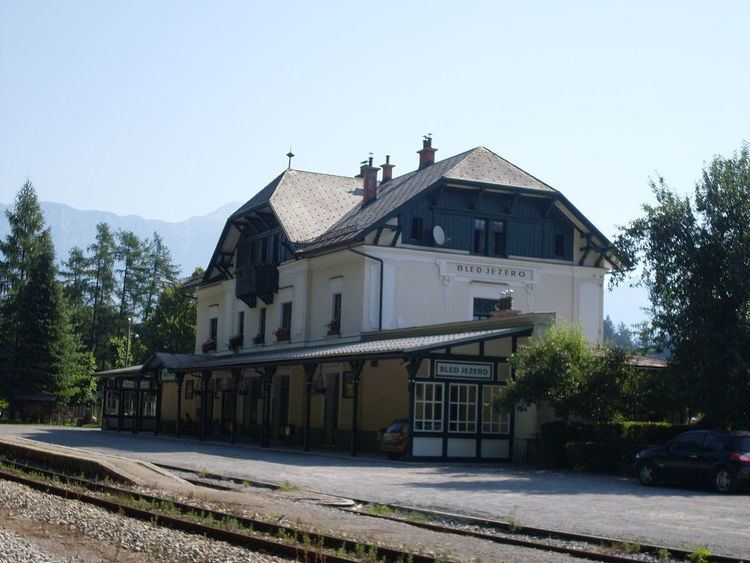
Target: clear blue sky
169 109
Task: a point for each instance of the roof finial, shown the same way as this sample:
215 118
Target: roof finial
290 155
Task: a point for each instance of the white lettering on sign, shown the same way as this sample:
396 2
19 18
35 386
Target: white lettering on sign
464 370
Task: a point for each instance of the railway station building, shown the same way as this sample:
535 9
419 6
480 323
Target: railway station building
334 305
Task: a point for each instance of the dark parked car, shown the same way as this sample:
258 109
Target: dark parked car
395 438
701 457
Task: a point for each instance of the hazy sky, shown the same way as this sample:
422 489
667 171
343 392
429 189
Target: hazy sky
171 109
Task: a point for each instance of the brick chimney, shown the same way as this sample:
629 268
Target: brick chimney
362 166
427 154
387 169
370 192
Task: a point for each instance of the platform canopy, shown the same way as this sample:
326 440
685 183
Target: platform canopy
385 348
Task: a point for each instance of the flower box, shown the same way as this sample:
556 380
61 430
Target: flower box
236 342
209 345
282 334
334 327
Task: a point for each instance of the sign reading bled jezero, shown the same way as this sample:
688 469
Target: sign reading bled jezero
487 272
467 370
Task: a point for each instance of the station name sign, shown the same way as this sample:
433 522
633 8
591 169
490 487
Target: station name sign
463 370
488 272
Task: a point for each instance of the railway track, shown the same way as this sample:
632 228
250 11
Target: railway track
251 533
286 541
431 518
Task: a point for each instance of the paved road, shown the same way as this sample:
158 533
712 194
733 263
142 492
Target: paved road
609 506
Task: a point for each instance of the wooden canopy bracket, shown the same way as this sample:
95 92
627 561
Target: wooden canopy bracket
478 197
549 207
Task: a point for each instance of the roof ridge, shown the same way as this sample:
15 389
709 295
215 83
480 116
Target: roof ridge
493 153
320 173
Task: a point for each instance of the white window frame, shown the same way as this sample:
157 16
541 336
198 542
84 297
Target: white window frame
128 402
493 422
113 402
433 423
463 424
148 404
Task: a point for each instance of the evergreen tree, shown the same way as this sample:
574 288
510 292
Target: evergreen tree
75 277
131 252
76 287
26 222
39 355
101 265
161 269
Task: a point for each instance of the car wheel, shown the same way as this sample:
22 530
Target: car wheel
647 473
724 480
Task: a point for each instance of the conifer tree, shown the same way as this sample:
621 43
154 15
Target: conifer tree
161 269
101 265
131 252
39 354
26 222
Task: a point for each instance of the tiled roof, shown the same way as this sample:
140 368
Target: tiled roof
306 203
343 352
322 210
484 166
475 165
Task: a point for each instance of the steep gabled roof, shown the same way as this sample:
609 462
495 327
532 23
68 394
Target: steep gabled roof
319 211
306 204
476 165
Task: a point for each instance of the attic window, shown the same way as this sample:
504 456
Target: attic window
416 228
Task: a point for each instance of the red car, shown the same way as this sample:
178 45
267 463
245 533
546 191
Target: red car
395 438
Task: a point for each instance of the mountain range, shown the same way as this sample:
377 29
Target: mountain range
191 241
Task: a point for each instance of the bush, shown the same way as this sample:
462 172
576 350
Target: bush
605 446
602 457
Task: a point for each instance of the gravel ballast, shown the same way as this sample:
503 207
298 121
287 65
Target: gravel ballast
120 534
18 549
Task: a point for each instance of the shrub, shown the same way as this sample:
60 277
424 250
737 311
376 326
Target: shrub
603 446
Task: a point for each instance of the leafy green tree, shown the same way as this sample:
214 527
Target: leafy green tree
553 370
562 370
171 327
694 257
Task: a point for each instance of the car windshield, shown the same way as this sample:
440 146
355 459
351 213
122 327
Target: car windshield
742 444
395 427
